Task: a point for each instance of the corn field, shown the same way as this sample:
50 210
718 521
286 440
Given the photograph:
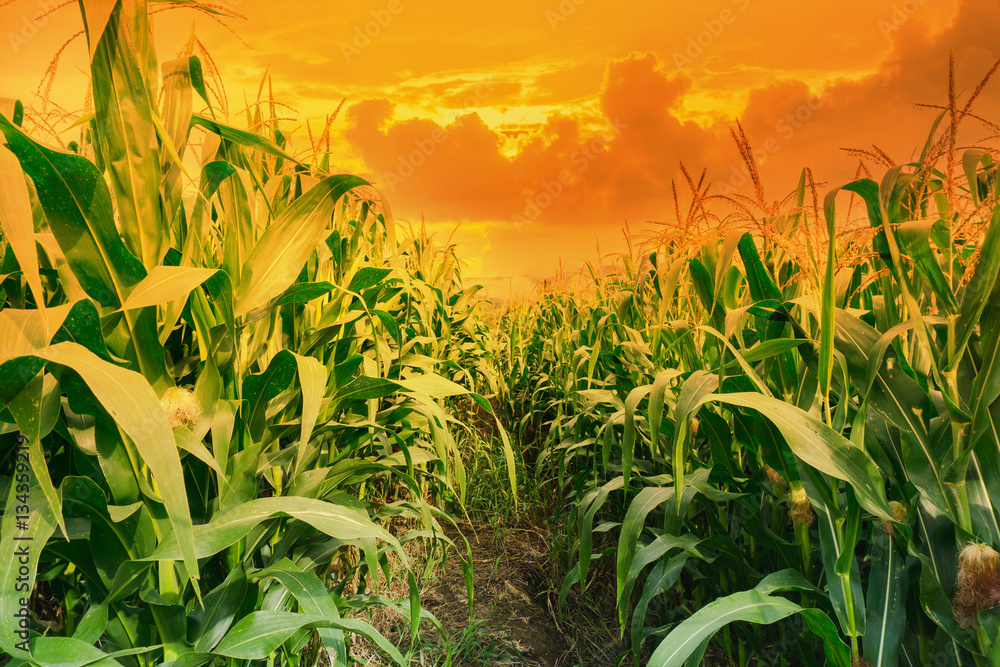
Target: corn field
235 390
224 393
788 425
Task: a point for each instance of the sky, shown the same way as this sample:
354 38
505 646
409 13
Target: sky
532 132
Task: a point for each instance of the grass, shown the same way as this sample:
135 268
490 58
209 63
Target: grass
474 645
489 500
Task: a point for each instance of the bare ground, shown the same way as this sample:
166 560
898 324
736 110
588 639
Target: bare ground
513 620
511 597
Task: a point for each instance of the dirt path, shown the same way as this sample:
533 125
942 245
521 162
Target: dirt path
512 617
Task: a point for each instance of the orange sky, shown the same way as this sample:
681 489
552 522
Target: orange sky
539 127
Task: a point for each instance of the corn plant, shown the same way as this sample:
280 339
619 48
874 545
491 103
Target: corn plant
788 424
229 384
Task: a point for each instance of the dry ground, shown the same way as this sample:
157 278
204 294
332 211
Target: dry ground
514 620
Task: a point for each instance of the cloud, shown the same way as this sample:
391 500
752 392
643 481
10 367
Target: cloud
880 108
548 189
444 172
637 90
579 169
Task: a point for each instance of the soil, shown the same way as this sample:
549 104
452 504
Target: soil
512 602
513 621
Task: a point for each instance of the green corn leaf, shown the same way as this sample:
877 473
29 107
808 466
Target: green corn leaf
838 540
27 409
914 240
820 446
164 284
662 578
237 136
17 223
770 348
629 437
77 205
645 501
885 596
702 282
367 277
198 79
278 257
313 598
898 399
69 652
209 623
366 388
651 553
305 292
761 284
334 518
260 388
126 129
261 632
750 606
92 625
981 285
83 326
786 580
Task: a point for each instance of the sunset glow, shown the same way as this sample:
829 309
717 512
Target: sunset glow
539 128
537 332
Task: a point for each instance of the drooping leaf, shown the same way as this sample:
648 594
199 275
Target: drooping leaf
819 446
77 205
164 284
333 518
